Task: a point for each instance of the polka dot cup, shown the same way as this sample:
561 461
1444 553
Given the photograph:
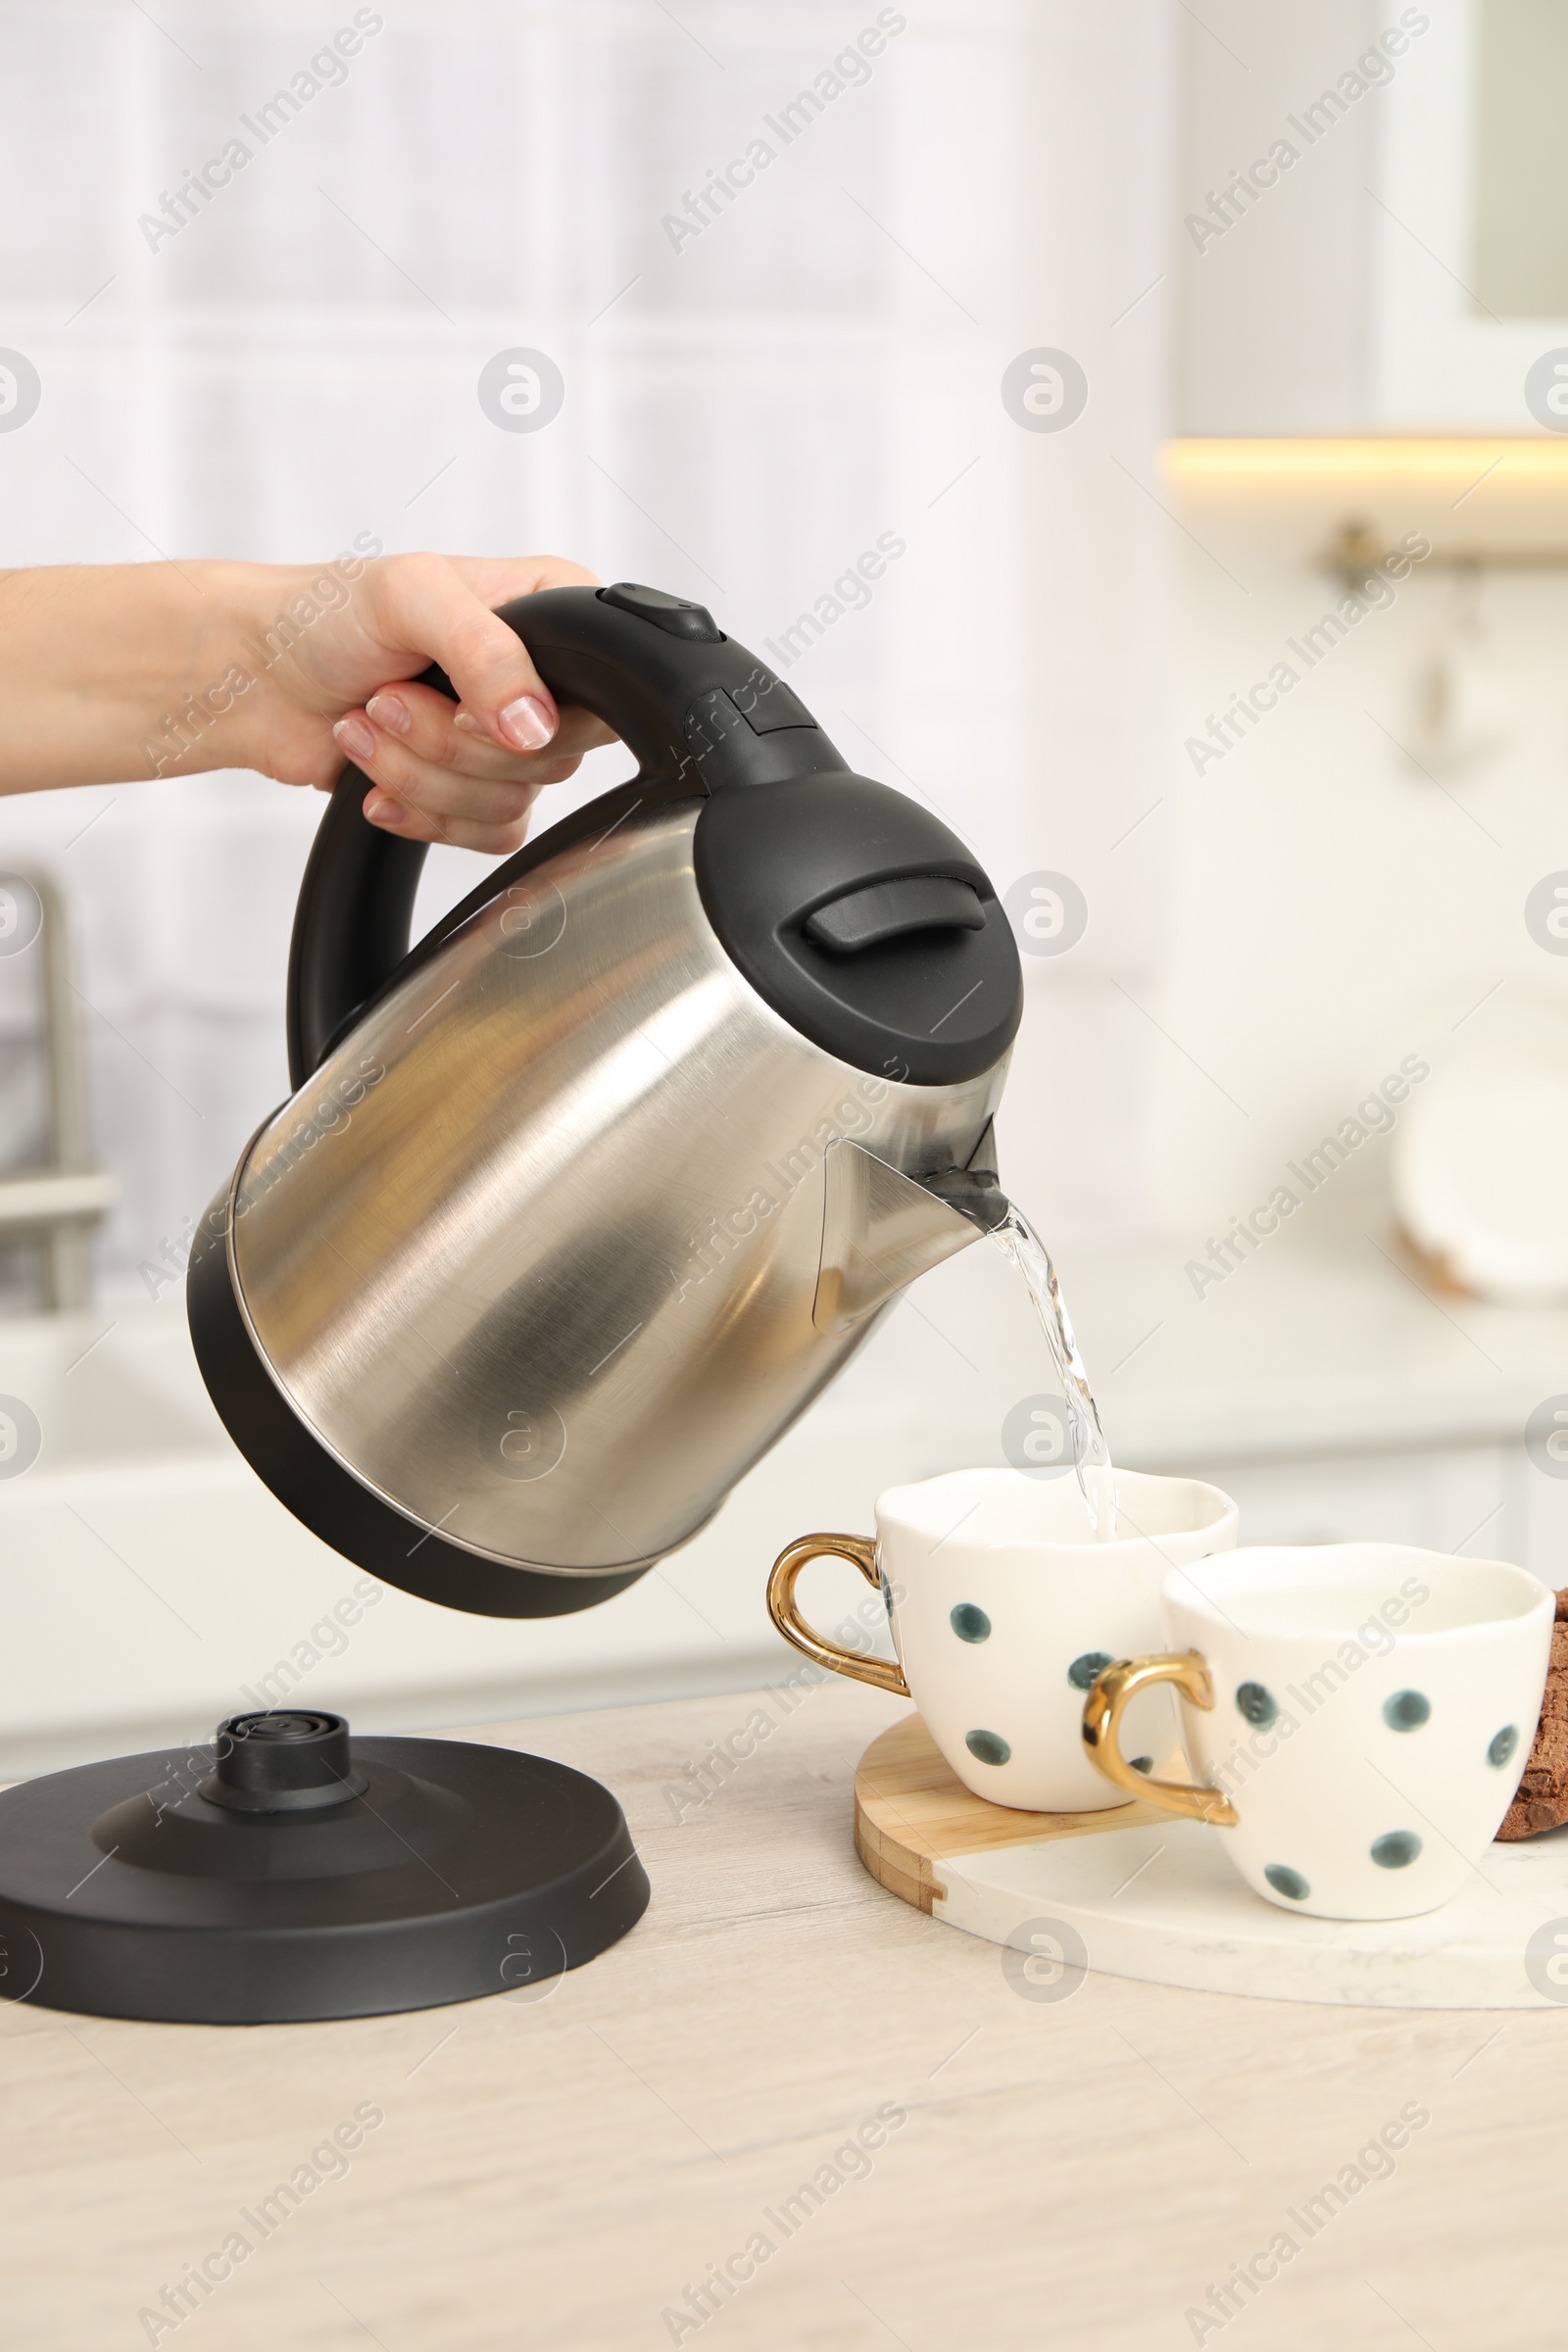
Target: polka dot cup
1004 1609
1355 1716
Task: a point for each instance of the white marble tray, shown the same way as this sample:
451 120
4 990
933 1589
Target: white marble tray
1136 1893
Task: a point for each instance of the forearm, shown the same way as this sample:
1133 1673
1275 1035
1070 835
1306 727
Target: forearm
117 671
113 673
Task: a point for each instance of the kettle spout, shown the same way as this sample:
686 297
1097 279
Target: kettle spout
974 1190
881 1228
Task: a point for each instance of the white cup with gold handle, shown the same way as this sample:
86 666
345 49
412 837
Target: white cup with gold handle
1355 1716
1003 1608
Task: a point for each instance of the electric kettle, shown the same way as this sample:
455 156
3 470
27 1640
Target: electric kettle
577 1204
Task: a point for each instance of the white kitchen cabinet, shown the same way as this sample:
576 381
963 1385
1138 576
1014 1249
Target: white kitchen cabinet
1398 174
1463 1499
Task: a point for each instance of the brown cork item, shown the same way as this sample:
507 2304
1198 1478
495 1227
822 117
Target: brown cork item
1541 1799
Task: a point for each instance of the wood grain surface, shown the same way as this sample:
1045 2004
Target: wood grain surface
557 2175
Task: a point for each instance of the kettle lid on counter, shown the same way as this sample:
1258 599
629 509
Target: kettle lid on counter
289 1871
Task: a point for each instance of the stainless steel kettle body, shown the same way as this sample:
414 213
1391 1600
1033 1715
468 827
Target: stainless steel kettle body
590 1193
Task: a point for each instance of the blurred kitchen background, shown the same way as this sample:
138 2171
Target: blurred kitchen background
1156 334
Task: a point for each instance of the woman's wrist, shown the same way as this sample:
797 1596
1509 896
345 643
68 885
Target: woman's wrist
192 720
110 673
114 672
253 699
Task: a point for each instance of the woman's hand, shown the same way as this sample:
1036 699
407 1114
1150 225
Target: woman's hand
110 671
463 773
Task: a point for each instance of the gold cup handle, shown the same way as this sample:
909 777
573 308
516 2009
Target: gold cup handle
1103 1713
860 1553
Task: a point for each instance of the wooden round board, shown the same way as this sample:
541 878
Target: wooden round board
1134 1893
912 1812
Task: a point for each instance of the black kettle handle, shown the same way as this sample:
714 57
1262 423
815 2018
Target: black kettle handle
686 700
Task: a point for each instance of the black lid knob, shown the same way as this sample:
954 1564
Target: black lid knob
283 1760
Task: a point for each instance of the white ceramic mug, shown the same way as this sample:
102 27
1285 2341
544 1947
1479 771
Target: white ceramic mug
1357 1717
1003 1608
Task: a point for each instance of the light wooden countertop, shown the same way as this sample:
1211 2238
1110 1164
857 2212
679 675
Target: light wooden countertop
558 2172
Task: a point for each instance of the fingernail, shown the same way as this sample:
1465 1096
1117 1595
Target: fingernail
525 723
382 810
387 712
355 738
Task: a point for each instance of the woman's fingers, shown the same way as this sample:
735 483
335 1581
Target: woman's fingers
433 806
425 800
432 727
579 731
461 773
424 601
439 781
